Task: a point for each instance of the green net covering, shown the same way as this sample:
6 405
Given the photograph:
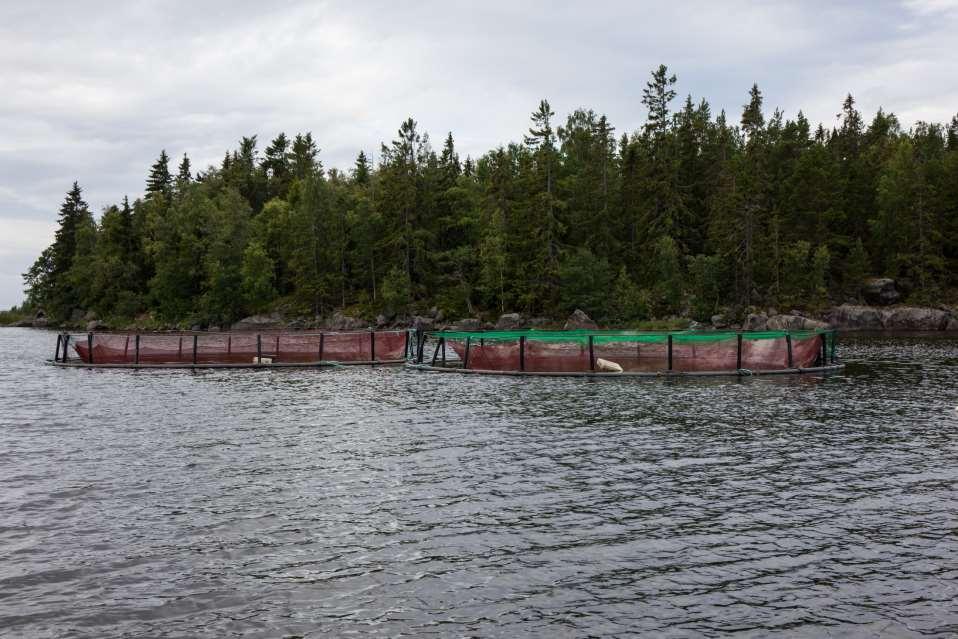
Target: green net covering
635 351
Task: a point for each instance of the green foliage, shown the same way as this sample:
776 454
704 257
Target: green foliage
628 303
396 290
258 273
804 275
586 280
705 285
856 270
796 277
669 278
160 183
692 214
817 293
51 279
13 315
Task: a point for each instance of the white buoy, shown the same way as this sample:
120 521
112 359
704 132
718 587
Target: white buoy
606 366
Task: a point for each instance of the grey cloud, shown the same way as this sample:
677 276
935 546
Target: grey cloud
92 92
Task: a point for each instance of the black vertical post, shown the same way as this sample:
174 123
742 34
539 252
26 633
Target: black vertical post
421 339
670 351
405 348
56 354
195 339
465 360
788 345
443 351
276 353
522 353
372 346
322 345
66 341
259 348
591 353
738 353
89 345
824 349
229 344
136 349
834 344
435 353
179 352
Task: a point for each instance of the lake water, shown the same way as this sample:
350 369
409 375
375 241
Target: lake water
386 502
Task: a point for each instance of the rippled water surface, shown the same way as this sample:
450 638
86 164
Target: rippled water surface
386 502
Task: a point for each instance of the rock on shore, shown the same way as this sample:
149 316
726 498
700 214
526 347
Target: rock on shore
900 318
259 322
579 320
880 291
509 322
781 322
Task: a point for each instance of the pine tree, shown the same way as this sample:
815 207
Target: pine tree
400 175
48 280
656 96
183 174
953 133
449 161
160 183
661 202
276 165
303 162
361 169
538 164
752 119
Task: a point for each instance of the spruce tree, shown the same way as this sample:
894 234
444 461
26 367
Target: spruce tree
953 133
449 161
752 119
276 166
361 169
160 183
656 96
48 281
302 159
183 174
660 198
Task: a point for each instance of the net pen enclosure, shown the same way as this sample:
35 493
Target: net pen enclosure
233 349
604 353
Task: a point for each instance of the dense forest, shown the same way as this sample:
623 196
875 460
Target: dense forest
694 213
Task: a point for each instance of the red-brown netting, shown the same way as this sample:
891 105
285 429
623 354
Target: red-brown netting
716 352
242 348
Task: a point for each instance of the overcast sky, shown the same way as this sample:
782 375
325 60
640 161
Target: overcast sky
92 91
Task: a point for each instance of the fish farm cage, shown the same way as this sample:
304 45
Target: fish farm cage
635 353
233 350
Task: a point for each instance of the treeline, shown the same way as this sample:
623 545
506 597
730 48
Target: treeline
690 215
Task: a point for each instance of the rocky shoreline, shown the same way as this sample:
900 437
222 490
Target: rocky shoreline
847 317
880 312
